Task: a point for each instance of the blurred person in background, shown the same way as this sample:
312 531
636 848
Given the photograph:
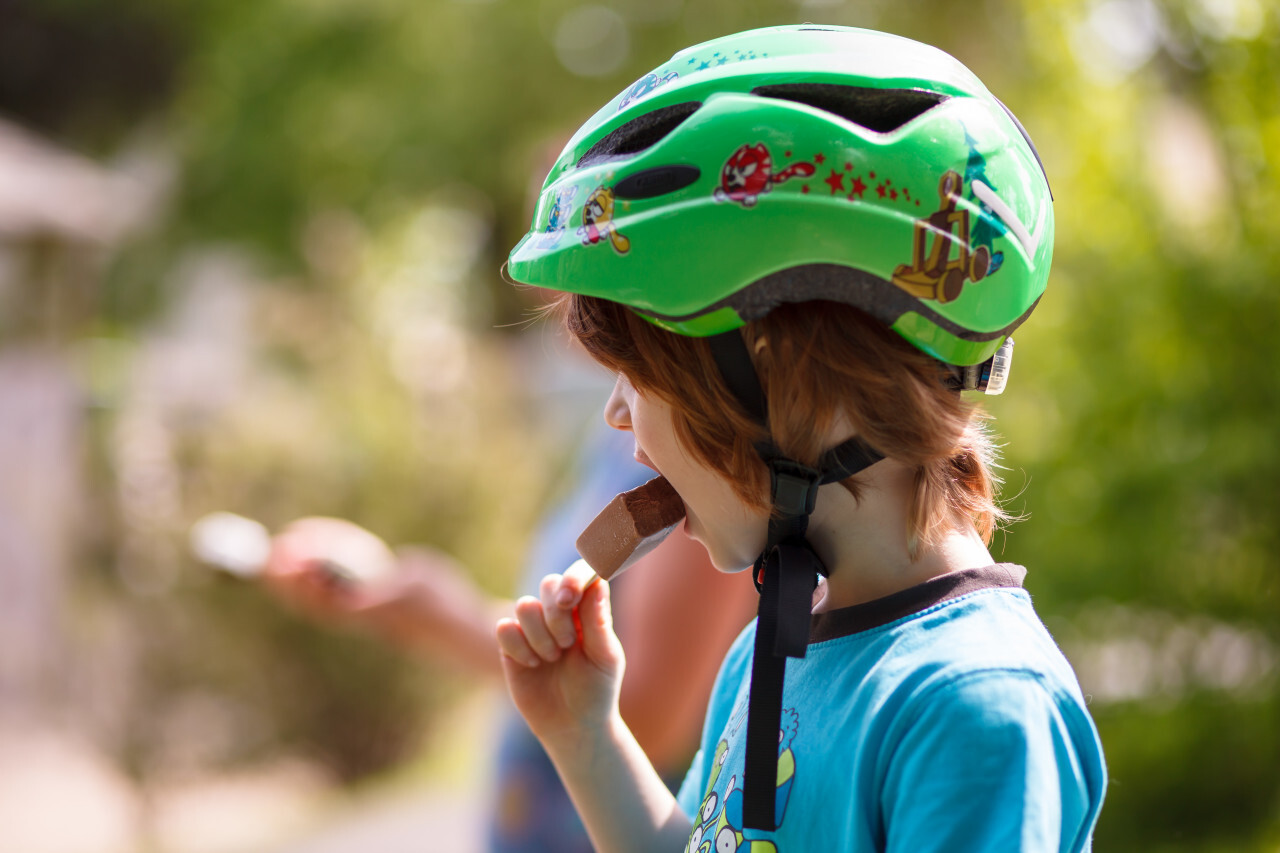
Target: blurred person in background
421 601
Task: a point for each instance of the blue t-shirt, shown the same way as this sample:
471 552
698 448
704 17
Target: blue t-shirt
941 718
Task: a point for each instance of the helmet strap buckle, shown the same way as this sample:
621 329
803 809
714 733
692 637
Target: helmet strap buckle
794 487
989 377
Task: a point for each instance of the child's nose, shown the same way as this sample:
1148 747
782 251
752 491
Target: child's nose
617 413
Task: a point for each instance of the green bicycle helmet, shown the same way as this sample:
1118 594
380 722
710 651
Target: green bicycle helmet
803 162
791 164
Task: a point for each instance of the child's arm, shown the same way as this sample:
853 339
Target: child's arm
566 681
418 599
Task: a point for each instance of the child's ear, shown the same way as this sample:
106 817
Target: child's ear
761 355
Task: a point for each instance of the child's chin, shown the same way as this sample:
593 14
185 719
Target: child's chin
729 564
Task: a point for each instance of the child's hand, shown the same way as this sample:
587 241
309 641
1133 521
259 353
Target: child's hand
563 673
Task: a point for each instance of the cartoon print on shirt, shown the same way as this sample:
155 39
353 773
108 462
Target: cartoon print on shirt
718 826
748 174
597 221
709 810
729 837
558 218
786 760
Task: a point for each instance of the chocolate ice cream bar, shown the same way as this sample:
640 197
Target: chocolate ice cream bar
630 526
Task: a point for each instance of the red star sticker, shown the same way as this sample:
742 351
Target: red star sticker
858 187
871 175
893 194
887 182
804 188
848 167
906 193
819 159
786 153
836 181
881 191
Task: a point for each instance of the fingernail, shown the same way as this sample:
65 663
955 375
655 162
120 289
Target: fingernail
565 597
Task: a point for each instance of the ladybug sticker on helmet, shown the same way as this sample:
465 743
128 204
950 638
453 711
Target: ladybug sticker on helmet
748 174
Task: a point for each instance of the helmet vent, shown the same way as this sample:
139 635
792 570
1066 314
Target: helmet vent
881 110
638 134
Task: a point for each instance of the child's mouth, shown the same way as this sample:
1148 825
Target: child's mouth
643 459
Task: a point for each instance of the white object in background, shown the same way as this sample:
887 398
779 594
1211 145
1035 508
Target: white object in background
241 546
231 542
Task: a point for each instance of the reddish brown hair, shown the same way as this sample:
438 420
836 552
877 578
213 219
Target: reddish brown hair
818 362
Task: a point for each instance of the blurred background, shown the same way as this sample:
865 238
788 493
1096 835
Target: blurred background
249 261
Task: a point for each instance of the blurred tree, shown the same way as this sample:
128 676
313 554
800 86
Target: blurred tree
1143 406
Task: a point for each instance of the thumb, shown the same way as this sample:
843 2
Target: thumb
595 616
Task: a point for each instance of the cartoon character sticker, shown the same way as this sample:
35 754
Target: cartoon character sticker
597 221
989 225
748 174
558 218
644 86
933 272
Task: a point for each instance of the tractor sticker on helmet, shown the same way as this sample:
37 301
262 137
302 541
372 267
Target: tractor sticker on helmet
933 272
597 221
557 218
644 86
748 174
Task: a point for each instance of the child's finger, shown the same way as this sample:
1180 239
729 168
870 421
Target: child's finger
599 642
532 619
512 643
559 597
579 576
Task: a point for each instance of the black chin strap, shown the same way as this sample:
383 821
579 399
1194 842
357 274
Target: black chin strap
786 574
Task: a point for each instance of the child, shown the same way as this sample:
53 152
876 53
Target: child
798 246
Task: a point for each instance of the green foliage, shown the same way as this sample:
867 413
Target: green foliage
1151 806
363 397
1140 412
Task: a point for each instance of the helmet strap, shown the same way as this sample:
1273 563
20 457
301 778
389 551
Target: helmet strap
738 372
786 574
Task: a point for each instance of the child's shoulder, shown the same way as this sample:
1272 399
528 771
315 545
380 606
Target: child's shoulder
981 665
969 632
985 636
971 628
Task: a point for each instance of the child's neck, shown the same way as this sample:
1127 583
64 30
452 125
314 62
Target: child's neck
863 543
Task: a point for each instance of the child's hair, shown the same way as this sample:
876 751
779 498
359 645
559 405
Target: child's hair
818 362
